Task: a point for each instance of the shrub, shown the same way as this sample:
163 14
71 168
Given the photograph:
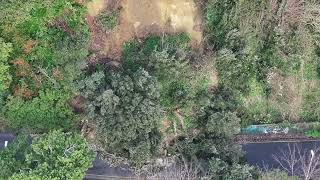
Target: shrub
311 107
109 20
41 114
131 56
233 72
218 17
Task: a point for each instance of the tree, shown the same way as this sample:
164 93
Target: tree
55 155
212 146
5 77
60 155
12 158
295 161
126 109
41 114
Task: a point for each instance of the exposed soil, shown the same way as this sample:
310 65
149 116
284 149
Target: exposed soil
138 18
96 6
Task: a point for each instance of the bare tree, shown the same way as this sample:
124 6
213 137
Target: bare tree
303 163
288 159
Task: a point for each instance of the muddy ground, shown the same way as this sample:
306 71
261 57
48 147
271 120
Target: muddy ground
139 18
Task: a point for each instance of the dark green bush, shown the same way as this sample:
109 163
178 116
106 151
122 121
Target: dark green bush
219 21
151 44
234 72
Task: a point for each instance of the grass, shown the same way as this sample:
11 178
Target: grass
313 133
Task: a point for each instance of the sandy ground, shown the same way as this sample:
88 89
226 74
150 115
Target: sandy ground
138 18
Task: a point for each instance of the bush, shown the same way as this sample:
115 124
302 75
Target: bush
311 107
233 72
41 114
126 110
219 21
109 20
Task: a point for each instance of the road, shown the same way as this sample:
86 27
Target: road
102 170
260 154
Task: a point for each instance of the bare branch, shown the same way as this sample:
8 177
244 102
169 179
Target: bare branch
303 163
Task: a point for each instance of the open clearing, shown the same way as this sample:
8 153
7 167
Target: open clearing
138 18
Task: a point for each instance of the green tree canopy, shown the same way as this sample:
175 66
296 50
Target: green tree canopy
5 77
55 155
126 110
41 114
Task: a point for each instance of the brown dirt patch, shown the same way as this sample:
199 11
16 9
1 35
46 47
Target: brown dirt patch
138 18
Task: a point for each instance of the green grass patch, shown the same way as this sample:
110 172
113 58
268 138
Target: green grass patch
313 133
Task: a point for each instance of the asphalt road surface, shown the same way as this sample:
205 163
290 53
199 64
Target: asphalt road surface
102 170
260 154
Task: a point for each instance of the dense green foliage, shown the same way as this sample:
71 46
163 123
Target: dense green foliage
46 41
126 110
276 53
55 155
5 50
212 146
5 76
12 158
48 111
259 63
167 60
